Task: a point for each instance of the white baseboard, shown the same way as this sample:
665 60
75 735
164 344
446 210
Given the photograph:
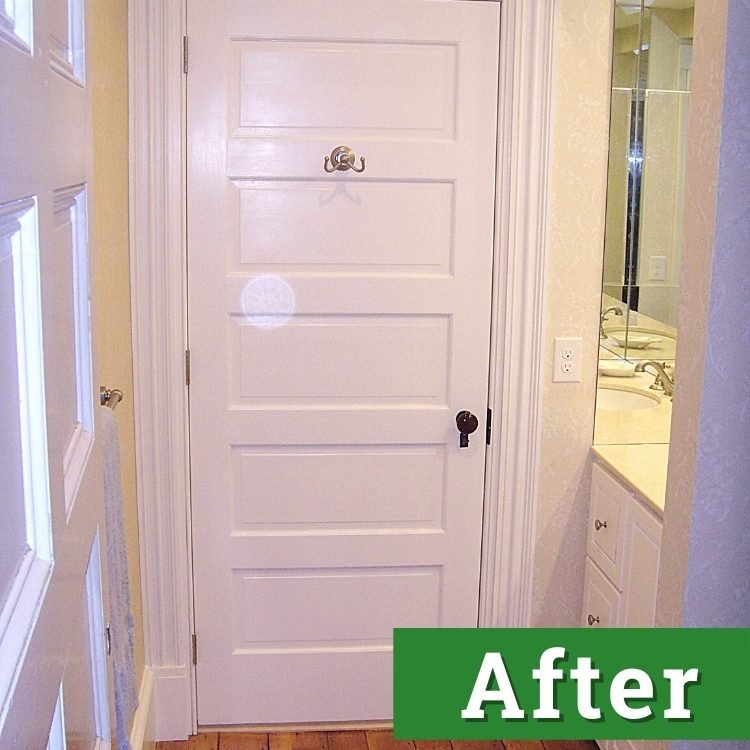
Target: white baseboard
142 735
329 726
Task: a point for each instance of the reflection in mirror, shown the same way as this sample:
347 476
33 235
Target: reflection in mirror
652 56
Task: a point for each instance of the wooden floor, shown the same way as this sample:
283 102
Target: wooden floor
371 740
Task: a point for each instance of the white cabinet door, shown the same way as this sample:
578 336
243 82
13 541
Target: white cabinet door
338 322
608 513
51 473
642 568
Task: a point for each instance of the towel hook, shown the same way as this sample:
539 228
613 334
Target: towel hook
341 159
110 396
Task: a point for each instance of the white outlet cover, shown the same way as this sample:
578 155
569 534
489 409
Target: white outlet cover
567 359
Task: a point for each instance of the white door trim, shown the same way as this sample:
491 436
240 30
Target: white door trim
157 241
518 312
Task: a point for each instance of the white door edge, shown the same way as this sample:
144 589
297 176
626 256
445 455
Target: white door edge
157 241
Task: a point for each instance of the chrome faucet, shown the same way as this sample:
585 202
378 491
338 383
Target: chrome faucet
662 382
603 318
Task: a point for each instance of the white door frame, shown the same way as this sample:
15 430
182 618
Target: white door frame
157 242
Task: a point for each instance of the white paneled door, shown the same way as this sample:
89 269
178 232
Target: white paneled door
52 663
339 320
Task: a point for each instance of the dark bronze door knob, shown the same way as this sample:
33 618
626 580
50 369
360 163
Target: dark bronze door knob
466 423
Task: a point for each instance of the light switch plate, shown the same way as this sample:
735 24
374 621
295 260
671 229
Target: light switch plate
657 268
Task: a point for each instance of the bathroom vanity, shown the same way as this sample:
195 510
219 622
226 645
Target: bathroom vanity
622 556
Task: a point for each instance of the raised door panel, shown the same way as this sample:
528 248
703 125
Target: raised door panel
642 568
16 23
354 360
271 217
271 488
22 459
79 708
357 88
66 39
607 523
601 601
67 292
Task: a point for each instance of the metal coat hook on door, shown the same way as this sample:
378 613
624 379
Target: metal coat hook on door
341 159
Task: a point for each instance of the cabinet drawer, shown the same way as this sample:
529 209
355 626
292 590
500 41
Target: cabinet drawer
607 517
601 600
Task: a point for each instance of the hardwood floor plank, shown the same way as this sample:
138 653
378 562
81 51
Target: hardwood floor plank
383 740
355 740
203 741
347 740
298 741
243 741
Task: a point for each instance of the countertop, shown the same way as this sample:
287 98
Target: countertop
642 467
637 426
634 445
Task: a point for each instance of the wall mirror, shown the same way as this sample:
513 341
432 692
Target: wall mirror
651 64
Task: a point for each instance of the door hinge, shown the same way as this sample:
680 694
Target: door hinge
187 366
195 649
489 425
185 55
108 639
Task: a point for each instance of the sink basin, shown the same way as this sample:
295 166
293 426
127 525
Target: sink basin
624 399
620 331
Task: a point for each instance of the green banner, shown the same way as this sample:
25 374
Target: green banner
614 683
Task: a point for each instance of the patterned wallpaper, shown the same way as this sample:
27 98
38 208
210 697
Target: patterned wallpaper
705 577
700 191
578 180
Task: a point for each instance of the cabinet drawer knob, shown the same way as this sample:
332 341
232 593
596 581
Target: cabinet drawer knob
592 620
600 524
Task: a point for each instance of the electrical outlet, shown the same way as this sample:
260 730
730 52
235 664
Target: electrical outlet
567 357
657 268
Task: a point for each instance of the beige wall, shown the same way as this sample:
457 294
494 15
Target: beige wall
578 182
108 66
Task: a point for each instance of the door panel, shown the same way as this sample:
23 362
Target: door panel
337 324
270 603
273 215
265 481
342 359
353 87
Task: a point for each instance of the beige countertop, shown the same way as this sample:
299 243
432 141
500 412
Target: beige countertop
636 426
634 445
642 467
